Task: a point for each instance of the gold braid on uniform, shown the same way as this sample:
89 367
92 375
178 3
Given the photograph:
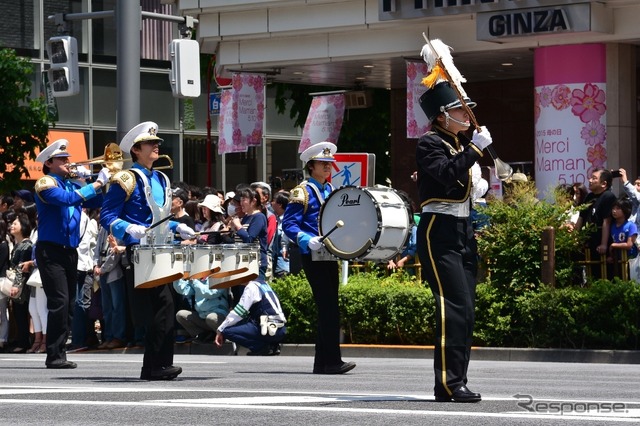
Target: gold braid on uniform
126 180
44 183
300 195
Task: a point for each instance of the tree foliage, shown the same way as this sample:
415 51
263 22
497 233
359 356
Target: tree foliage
511 245
24 122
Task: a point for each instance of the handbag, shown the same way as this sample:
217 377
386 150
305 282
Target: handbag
34 279
8 282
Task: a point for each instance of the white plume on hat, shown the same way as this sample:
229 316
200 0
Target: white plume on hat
436 73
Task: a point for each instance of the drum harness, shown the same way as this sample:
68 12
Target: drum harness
322 254
159 234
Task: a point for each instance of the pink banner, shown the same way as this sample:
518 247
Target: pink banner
241 114
324 121
417 123
570 114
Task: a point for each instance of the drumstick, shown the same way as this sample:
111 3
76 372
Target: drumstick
161 221
339 224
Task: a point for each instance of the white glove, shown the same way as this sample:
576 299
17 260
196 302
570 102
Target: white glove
82 172
104 176
483 139
315 243
185 232
136 231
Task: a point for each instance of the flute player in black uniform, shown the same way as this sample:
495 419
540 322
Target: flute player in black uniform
445 241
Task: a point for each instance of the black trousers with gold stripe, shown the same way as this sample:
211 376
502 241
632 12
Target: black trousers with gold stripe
447 251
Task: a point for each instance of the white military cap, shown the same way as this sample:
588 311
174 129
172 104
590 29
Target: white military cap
56 149
322 151
142 132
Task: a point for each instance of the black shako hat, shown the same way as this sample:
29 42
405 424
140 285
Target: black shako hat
440 99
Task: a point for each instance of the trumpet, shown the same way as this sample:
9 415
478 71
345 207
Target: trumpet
111 159
114 160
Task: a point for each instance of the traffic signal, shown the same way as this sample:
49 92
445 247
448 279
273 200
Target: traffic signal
64 75
185 68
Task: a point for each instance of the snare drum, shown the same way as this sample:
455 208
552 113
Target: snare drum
376 223
154 266
238 258
203 260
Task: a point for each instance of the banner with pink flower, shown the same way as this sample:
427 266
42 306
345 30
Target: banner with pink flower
241 114
570 114
417 123
324 121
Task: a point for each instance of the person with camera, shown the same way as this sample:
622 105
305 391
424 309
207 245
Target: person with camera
256 322
600 201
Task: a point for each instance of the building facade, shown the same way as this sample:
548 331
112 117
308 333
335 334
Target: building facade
339 43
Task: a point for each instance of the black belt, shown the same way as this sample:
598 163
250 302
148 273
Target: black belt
54 245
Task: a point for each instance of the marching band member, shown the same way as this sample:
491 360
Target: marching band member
59 202
300 224
137 198
445 240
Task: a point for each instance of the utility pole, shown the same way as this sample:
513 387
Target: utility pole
128 26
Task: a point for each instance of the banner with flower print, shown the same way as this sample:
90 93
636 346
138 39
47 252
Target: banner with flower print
241 114
417 123
570 114
324 121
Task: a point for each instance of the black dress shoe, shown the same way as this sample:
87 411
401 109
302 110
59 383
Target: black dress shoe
339 369
62 365
164 373
462 394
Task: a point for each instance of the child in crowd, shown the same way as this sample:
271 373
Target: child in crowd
623 231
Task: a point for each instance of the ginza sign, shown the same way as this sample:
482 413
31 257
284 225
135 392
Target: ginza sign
539 21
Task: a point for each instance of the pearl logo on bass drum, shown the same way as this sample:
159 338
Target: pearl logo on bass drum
345 201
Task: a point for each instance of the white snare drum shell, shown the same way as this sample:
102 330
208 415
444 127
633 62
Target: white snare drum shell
154 266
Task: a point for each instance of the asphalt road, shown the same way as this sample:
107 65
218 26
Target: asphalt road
226 390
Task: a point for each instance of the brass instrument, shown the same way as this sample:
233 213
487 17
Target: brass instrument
114 160
166 166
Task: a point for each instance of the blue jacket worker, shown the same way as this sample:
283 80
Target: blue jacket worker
256 322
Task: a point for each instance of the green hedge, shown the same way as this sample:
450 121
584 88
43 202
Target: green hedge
399 310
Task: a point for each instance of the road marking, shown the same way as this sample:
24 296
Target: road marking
345 410
313 402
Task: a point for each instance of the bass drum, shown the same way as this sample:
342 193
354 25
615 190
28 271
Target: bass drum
376 223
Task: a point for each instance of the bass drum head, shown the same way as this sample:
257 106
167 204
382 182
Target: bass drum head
356 208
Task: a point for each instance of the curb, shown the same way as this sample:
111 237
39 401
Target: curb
602 356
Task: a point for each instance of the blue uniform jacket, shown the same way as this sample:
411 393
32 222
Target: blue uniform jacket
59 208
118 212
300 219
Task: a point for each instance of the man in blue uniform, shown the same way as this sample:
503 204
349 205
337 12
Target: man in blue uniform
137 198
445 242
59 202
300 224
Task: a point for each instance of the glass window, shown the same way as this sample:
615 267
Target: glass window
19 25
195 160
156 101
104 97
